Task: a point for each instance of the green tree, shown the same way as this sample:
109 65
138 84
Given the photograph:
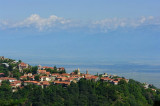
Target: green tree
37 77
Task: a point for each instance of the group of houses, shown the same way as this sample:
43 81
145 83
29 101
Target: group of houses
45 78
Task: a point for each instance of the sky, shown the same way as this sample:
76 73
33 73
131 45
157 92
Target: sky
81 32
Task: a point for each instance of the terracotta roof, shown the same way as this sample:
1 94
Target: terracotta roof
16 82
23 77
63 78
7 78
94 77
105 78
31 81
48 73
42 71
23 64
55 74
65 74
115 81
91 77
47 67
45 83
60 68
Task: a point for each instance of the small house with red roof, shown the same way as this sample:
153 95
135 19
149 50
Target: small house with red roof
44 84
63 83
93 78
105 79
31 82
61 69
7 79
22 66
41 71
46 67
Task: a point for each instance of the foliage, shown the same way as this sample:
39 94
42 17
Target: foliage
83 93
37 77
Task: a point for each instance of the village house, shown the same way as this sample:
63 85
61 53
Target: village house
115 82
7 79
65 75
118 79
53 76
61 78
44 78
63 83
28 76
93 78
46 67
61 69
105 79
22 66
31 82
15 84
48 74
105 75
41 72
2 58
74 79
23 78
44 84
154 90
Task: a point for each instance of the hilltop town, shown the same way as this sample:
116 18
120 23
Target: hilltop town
23 84
44 75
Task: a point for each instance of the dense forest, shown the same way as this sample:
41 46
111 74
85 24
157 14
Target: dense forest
83 93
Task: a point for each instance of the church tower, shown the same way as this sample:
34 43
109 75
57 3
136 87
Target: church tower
78 71
87 72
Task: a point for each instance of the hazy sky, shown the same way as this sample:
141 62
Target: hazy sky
81 32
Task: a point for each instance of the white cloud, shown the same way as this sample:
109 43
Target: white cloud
55 22
38 22
42 23
114 23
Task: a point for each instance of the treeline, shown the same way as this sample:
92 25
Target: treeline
83 93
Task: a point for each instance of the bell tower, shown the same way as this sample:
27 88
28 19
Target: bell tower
87 72
78 71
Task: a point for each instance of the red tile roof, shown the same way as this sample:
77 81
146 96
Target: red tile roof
55 74
45 83
42 71
65 74
61 68
31 82
45 67
7 78
23 77
63 78
23 64
105 78
48 73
